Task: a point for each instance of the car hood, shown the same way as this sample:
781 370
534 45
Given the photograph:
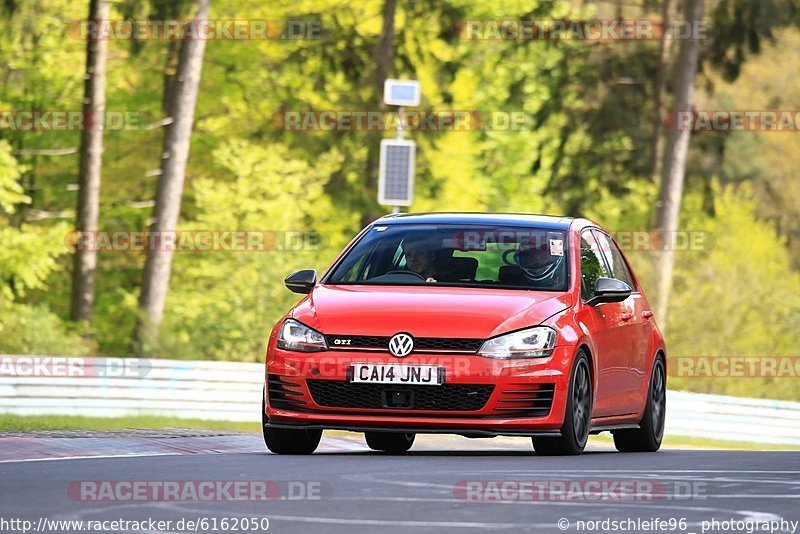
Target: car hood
426 311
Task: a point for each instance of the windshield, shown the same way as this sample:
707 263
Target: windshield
467 256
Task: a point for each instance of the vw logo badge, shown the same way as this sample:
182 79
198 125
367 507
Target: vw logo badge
401 345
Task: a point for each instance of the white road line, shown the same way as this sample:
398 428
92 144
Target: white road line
401 523
646 471
101 456
657 500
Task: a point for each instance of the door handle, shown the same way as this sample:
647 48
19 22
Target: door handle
626 316
647 314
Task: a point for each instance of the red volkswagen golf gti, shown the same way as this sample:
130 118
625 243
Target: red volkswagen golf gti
472 324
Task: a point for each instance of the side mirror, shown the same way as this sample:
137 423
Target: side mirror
609 290
301 281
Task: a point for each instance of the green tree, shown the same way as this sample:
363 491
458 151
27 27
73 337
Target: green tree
729 298
28 255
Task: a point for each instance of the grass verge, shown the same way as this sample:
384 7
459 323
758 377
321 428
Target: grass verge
57 422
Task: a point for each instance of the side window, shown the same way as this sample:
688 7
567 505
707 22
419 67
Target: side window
592 265
619 268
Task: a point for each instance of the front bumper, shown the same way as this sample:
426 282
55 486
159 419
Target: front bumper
525 397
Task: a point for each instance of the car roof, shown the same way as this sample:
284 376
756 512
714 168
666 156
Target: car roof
549 222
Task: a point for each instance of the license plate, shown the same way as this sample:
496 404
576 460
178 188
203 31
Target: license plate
379 373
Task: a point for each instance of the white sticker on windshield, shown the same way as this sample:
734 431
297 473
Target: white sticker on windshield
380 228
556 247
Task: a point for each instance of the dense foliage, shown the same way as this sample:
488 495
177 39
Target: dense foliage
584 151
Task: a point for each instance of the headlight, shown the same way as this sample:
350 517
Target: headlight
535 342
294 335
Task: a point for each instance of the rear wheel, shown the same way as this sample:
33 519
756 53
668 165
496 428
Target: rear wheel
578 417
394 442
287 440
647 438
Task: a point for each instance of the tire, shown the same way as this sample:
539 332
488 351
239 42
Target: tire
287 440
578 416
647 438
393 442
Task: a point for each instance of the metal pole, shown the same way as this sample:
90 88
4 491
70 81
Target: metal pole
400 110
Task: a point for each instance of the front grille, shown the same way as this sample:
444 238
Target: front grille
284 394
447 397
526 400
421 344
434 344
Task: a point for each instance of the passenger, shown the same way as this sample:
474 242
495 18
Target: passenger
541 267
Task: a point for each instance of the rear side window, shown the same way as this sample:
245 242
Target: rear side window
619 269
592 265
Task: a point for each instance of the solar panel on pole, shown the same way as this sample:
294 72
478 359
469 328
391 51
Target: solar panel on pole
396 172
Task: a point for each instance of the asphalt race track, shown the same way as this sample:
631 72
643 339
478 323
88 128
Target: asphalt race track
352 489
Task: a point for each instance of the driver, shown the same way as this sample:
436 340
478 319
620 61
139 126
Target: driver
541 267
420 253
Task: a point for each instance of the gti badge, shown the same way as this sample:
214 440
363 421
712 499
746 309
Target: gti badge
401 345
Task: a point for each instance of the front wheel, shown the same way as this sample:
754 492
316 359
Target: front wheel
287 440
291 441
393 442
578 417
647 438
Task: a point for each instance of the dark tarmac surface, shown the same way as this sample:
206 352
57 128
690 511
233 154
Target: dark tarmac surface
445 484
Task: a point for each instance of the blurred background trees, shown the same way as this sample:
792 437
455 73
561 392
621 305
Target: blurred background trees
588 149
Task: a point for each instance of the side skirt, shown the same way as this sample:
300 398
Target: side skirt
597 429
